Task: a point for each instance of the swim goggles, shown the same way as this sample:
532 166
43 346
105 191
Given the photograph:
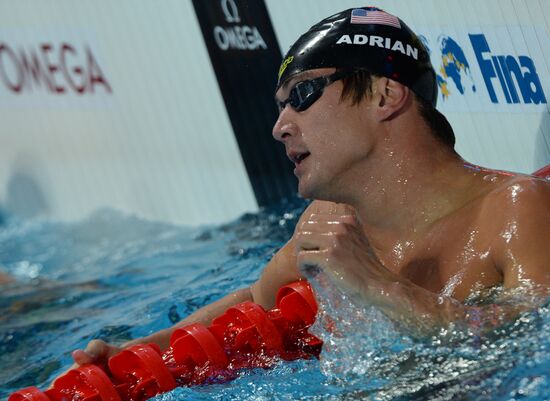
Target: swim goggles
305 93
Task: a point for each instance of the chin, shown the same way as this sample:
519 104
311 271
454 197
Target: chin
305 194
309 191
316 191
305 191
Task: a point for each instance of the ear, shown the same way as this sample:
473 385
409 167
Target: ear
391 98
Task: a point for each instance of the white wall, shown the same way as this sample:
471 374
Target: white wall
160 144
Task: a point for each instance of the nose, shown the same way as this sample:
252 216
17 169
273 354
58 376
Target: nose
282 129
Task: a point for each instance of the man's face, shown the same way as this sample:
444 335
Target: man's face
327 141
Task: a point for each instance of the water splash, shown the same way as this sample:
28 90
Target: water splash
369 358
147 273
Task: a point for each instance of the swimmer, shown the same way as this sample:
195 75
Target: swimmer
5 279
399 220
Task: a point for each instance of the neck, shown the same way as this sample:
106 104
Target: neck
407 182
413 195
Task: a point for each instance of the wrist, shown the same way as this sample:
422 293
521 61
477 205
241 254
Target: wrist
161 338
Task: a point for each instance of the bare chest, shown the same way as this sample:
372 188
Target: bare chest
453 259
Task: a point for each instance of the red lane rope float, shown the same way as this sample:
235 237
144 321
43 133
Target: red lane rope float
196 355
29 394
141 372
295 313
297 303
245 336
86 383
250 339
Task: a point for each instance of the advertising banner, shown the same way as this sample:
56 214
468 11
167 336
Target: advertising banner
54 68
490 69
245 56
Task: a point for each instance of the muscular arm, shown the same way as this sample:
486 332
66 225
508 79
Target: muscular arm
339 247
279 271
520 251
203 316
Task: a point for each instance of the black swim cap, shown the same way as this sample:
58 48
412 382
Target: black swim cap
365 39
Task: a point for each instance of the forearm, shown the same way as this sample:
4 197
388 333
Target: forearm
204 316
415 309
279 271
421 312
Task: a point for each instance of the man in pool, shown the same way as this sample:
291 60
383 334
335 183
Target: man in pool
399 220
5 279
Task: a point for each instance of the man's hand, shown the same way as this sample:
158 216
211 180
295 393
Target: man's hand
335 243
97 352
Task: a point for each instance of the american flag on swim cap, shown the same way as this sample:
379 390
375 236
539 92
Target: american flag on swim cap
374 16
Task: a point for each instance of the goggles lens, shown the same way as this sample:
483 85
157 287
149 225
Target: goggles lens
305 93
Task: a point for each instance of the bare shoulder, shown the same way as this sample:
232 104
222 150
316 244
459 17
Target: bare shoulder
520 195
516 216
520 201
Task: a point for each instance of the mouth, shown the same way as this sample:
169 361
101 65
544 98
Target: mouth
298 157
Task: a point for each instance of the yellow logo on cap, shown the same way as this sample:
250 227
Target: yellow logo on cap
285 64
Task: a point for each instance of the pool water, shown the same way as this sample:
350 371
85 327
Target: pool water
116 277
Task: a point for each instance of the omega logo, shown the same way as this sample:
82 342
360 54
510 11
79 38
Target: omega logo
56 68
236 37
231 11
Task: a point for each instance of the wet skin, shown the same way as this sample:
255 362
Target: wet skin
473 248
407 220
400 221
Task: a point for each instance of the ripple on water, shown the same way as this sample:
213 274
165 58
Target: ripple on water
114 276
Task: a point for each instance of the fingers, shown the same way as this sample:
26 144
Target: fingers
310 258
311 241
333 218
81 358
323 231
311 263
97 351
325 207
326 224
333 242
